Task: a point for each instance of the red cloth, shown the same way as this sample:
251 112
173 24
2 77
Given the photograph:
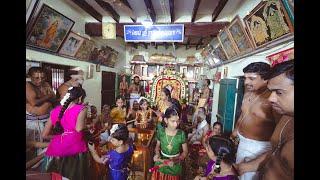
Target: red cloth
157 175
55 176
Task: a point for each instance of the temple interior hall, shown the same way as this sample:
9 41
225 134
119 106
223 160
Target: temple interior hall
159 89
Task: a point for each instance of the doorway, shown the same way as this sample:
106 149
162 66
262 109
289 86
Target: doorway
108 89
226 104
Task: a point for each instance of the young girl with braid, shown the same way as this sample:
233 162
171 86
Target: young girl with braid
67 152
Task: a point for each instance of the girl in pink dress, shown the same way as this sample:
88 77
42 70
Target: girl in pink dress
67 152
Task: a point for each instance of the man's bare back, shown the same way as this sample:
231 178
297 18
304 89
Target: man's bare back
280 165
256 120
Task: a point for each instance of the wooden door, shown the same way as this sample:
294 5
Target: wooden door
227 94
108 88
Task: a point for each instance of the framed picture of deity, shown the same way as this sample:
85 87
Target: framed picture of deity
289 6
85 50
267 22
240 36
228 46
217 50
49 29
71 45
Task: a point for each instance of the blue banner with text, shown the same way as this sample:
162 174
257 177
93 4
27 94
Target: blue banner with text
154 33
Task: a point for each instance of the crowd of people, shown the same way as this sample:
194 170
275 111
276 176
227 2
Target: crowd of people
70 133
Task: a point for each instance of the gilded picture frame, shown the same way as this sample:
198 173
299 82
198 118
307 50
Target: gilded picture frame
71 44
267 22
228 46
240 36
85 50
49 29
289 6
217 49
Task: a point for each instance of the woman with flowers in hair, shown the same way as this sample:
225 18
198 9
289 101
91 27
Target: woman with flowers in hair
67 152
119 158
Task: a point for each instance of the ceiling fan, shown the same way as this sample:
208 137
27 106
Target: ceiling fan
119 5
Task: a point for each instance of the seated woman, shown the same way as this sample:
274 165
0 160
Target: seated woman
202 128
222 155
118 113
132 114
105 121
216 130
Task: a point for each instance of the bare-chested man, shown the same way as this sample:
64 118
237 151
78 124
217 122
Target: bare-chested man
278 163
39 100
135 90
206 89
256 122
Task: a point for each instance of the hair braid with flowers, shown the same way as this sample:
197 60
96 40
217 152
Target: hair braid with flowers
72 94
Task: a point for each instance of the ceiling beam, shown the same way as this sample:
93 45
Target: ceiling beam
171 5
188 43
107 7
203 29
199 43
150 10
218 9
190 29
195 10
166 45
145 45
127 4
89 9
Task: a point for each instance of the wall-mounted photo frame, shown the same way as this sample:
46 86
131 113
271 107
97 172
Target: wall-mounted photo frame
267 22
31 7
71 45
85 50
217 50
229 47
49 29
240 36
289 6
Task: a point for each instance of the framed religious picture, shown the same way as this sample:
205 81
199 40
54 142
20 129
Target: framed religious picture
49 29
85 50
240 36
227 44
267 22
71 45
31 7
217 49
289 6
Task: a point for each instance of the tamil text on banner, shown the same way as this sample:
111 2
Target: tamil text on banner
154 33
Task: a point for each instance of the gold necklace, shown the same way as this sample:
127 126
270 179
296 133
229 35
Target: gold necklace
169 146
